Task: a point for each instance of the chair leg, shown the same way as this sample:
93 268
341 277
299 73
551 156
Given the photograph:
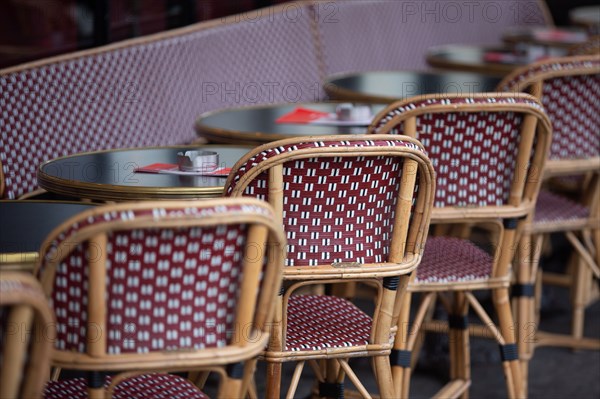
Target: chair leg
273 387
230 388
248 388
405 342
416 351
460 355
582 278
295 379
527 266
383 372
400 369
233 384
510 358
198 378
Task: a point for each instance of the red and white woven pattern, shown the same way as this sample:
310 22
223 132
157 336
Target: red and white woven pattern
317 322
448 259
166 289
473 153
572 103
552 208
150 94
336 209
153 385
400 32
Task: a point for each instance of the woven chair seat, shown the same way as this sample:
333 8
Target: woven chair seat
448 259
552 207
317 322
152 385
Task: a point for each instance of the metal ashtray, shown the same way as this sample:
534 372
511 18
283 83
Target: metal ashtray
198 161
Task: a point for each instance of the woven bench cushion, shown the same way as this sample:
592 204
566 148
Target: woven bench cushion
448 259
551 208
153 385
317 322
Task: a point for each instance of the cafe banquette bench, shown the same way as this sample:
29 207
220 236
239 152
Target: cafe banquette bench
148 91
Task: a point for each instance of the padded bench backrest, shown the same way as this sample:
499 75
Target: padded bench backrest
368 35
149 91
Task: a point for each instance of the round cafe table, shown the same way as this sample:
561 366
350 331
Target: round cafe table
25 225
544 42
110 175
474 59
257 125
390 86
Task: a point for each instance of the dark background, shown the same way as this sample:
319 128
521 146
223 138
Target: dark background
33 29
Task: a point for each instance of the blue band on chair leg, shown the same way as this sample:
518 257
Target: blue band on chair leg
520 290
391 283
400 358
95 379
510 223
509 352
331 390
458 322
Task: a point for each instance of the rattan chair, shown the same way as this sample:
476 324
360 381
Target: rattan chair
26 336
590 47
145 288
569 89
486 149
354 208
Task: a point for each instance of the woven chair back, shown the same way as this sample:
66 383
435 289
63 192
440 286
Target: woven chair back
485 148
569 89
154 279
339 197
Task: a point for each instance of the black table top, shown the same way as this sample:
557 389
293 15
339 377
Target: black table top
109 175
256 125
472 59
389 86
25 225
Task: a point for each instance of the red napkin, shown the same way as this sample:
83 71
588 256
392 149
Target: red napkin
559 36
500 57
301 115
174 169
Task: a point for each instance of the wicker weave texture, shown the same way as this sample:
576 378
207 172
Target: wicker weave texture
473 152
399 33
150 94
156 386
352 224
166 288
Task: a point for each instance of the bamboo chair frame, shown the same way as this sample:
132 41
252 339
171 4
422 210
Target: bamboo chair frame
252 309
405 254
590 47
582 233
507 222
27 349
